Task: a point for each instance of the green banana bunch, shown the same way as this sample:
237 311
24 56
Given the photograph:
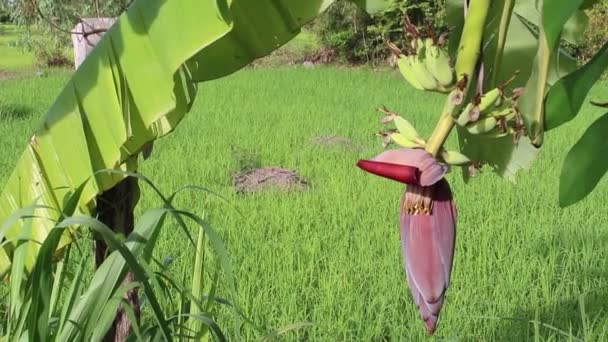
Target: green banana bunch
454 158
493 115
404 133
437 62
428 68
483 106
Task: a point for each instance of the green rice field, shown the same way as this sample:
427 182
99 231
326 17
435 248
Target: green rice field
12 57
524 270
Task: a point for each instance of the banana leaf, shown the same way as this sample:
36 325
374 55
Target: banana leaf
136 86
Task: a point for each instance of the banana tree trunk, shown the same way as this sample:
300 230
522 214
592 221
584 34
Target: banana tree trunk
114 206
115 209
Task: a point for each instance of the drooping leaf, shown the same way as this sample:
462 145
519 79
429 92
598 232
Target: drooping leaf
502 154
585 164
566 97
554 15
572 31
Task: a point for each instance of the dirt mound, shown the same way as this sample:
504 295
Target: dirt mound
267 177
7 75
334 141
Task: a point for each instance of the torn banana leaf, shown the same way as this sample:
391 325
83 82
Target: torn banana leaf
134 87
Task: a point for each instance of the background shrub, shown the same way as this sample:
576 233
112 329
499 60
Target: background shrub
597 32
358 38
5 16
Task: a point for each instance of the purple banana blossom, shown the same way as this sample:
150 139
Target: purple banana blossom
428 224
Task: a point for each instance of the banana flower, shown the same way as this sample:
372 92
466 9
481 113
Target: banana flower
428 224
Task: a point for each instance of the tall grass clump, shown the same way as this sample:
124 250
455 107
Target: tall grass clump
68 301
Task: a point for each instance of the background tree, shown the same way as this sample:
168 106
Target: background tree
48 24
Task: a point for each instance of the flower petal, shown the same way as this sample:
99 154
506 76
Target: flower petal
445 217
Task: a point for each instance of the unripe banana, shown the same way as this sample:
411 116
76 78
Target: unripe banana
465 115
455 158
489 99
428 43
482 126
417 45
475 113
406 70
422 75
506 112
406 128
402 140
437 62
500 101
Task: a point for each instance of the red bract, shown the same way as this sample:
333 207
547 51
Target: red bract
401 173
428 225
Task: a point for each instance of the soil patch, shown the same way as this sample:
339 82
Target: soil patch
7 75
269 177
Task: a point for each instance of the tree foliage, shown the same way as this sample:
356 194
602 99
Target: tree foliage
360 37
48 24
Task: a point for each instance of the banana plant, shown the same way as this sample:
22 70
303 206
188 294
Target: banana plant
507 80
139 82
134 87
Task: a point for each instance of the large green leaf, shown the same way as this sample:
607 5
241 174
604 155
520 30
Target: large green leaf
566 97
574 29
136 86
504 156
521 41
585 164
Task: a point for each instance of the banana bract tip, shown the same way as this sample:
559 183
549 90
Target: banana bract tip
400 173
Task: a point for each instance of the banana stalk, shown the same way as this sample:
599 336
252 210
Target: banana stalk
469 52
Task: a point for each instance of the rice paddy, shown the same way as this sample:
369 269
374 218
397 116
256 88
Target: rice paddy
524 268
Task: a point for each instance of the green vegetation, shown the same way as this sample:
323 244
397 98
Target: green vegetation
331 255
13 57
358 37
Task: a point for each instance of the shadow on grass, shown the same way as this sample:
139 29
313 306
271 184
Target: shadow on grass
579 317
12 111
